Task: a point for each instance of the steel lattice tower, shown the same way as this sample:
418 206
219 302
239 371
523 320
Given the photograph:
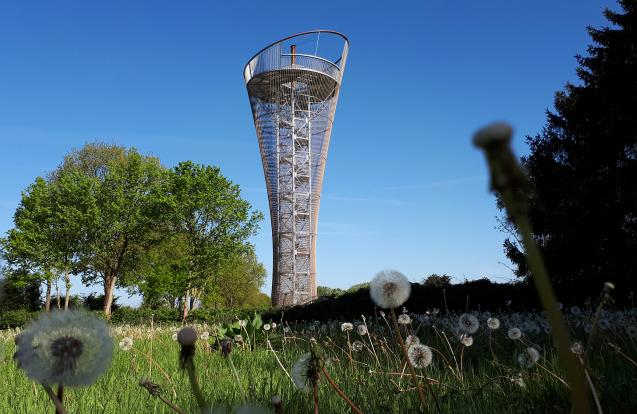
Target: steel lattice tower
293 85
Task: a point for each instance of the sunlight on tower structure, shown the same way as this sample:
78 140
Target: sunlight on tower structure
293 86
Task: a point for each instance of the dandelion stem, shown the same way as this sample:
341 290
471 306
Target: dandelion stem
194 384
509 180
59 407
236 377
278 360
414 377
315 397
340 392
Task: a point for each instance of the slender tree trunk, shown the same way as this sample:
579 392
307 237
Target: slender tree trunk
57 294
67 297
47 299
186 305
109 288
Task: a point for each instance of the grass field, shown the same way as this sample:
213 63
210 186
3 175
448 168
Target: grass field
490 373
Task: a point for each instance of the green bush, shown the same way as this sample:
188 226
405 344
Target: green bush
14 319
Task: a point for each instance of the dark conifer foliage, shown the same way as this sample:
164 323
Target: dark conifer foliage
583 166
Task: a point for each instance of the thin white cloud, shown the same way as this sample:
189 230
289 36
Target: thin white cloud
439 184
366 200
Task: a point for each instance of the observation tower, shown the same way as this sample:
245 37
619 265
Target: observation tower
293 85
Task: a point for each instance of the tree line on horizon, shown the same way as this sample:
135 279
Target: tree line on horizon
117 218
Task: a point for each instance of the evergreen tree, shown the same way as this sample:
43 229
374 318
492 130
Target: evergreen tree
583 166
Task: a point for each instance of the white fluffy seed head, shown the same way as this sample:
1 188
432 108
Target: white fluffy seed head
389 289
71 348
126 344
514 333
411 340
493 323
300 373
404 319
468 323
187 336
346 327
529 357
466 340
361 329
420 355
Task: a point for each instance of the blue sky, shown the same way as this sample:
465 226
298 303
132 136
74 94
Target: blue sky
403 189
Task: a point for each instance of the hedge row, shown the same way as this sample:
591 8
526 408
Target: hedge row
141 316
480 294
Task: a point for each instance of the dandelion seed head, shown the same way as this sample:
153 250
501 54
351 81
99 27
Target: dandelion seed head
466 340
346 327
404 319
529 357
577 348
357 346
266 327
468 323
361 329
204 335
301 373
420 355
71 348
411 340
389 289
126 344
493 323
514 333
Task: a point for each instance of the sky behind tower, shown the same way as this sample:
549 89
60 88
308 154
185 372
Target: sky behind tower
403 189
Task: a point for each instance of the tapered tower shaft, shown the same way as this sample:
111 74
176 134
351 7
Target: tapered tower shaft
293 86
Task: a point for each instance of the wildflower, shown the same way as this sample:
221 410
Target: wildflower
303 374
404 319
577 348
466 340
126 344
493 323
411 340
514 333
346 326
68 348
468 323
529 357
420 356
204 335
175 336
357 346
389 289
361 329
266 327
238 338
273 325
